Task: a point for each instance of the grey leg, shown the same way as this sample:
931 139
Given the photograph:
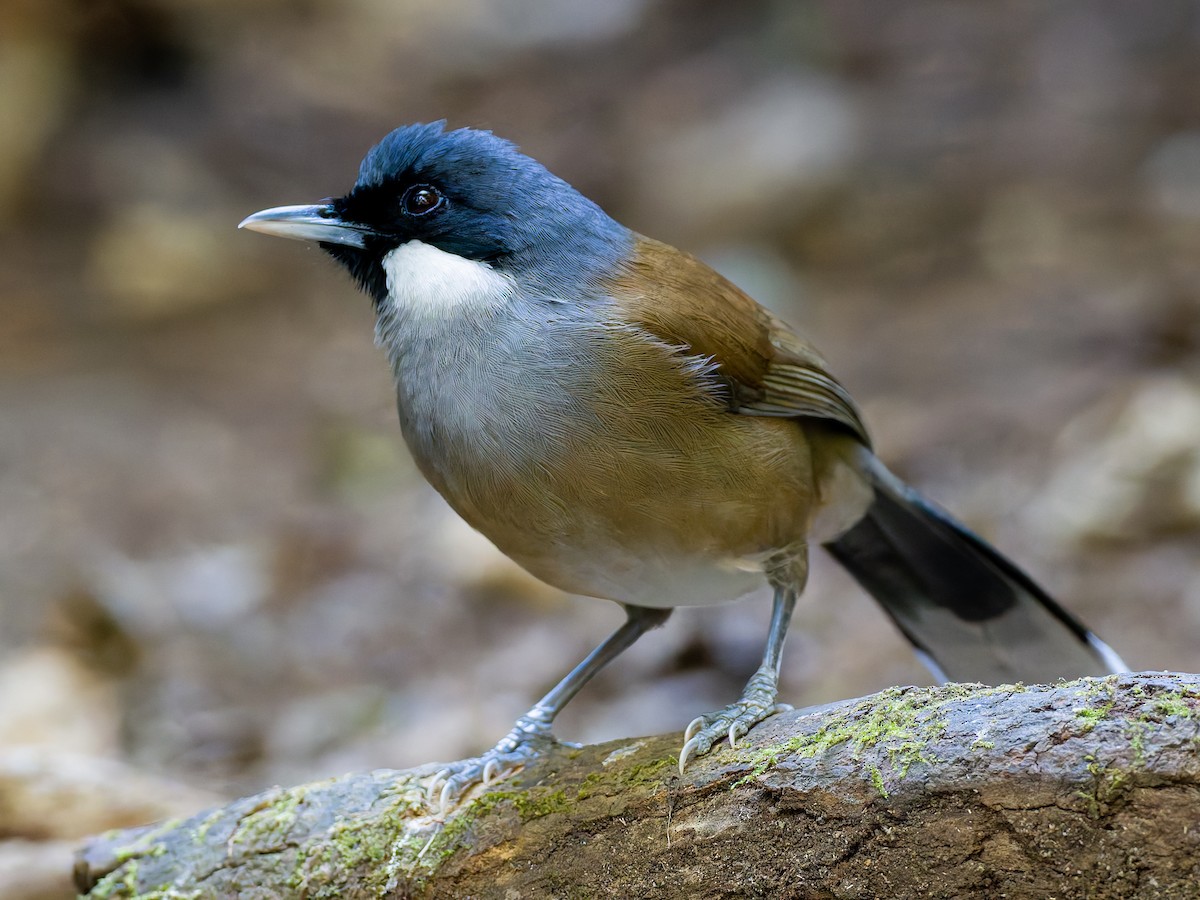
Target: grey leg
531 735
758 699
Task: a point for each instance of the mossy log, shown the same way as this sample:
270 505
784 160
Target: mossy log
1083 789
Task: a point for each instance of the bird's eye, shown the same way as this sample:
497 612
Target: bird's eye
421 199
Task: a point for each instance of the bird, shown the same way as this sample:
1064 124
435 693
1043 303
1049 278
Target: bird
627 424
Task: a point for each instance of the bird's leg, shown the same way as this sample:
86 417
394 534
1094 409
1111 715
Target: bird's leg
531 735
758 699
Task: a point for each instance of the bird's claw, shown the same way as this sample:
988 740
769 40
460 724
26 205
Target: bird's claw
686 752
491 769
527 741
456 779
732 723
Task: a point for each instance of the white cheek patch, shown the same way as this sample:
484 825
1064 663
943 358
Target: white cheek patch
425 281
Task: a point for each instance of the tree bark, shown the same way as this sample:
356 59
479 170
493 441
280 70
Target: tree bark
1084 789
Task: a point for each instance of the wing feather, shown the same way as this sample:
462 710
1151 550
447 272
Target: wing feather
771 370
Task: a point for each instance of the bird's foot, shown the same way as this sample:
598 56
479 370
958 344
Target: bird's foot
757 703
528 740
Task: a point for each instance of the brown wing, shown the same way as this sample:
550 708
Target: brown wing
770 369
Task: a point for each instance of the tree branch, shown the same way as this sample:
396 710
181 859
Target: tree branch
1084 789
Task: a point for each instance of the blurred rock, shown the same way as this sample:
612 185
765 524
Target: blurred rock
152 260
1132 473
313 724
209 588
62 794
362 465
48 698
37 870
753 163
473 563
51 798
38 76
1172 175
87 629
660 705
763 274
527 23
1022 232
57 780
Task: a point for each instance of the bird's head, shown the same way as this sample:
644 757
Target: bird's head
466 193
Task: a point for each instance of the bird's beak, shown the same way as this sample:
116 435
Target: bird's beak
307 223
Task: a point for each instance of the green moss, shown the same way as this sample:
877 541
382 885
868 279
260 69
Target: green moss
649 772
1174 705
356 842
270 824
125 888
1182 703
399 848
201 830
603 782
1091 716
122 882
877 780
1109 783
1094 688
418 857
900 722
590 785
1111 780
378 843
1098 699
536 805
980 744
1137 732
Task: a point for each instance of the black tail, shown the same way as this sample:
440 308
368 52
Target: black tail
971 614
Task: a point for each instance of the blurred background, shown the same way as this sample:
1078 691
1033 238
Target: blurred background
219 567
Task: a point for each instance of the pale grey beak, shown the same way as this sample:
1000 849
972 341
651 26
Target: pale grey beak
307 223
